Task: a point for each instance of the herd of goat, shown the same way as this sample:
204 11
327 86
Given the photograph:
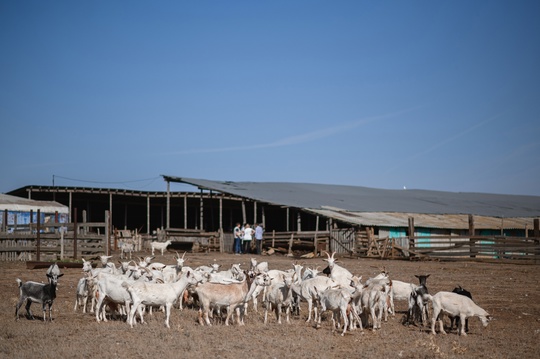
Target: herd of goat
133 289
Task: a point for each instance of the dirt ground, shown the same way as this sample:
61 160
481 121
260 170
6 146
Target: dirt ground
509 292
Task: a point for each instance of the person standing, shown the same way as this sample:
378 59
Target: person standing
248 236
259 237
237 247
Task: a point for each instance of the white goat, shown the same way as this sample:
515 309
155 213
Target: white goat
339 274
258 268
279 294
111 291
374 300
157 294
82 293
160 246
305 290
126 248
337 301
455 305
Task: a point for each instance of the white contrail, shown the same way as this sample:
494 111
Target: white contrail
297 139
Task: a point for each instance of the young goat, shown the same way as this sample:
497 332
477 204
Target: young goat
33 292
337 301
418 308
160 246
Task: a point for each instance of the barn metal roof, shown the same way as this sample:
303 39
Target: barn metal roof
440 221
363 205
18 204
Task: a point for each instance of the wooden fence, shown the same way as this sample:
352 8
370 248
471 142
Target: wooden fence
55 241
479 248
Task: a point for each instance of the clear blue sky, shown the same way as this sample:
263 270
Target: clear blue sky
440 95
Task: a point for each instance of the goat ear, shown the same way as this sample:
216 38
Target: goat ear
61 274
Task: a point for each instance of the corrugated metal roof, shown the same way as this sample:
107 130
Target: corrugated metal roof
439 221
371 206
13 203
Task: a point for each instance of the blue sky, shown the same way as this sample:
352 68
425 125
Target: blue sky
386 94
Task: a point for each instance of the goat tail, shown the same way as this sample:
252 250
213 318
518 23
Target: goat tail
19 282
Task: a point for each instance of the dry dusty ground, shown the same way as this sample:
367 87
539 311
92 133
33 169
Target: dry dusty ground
511 293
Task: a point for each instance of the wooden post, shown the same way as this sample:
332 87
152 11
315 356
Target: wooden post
38 236
168 221
56 220
70 201
61 244
263 218
84 221
315 240
185 211
148 214
472 248
75 230
111 207
221 216
412 242
298 222
107 233
4 222
288 219
254 212
290 243
244 218
201 211
273 238
221 244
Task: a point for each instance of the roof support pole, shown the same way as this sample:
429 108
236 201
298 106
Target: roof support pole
201 211
298 222
148 214
244 219
263 217
168 220
70 201
107 234
221 212
472 250
411 233
38 236
110 206
185 211
288 219
254 212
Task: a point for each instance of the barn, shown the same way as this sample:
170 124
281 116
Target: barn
346 219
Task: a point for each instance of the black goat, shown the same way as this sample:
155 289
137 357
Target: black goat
455 320
33 292
327 271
